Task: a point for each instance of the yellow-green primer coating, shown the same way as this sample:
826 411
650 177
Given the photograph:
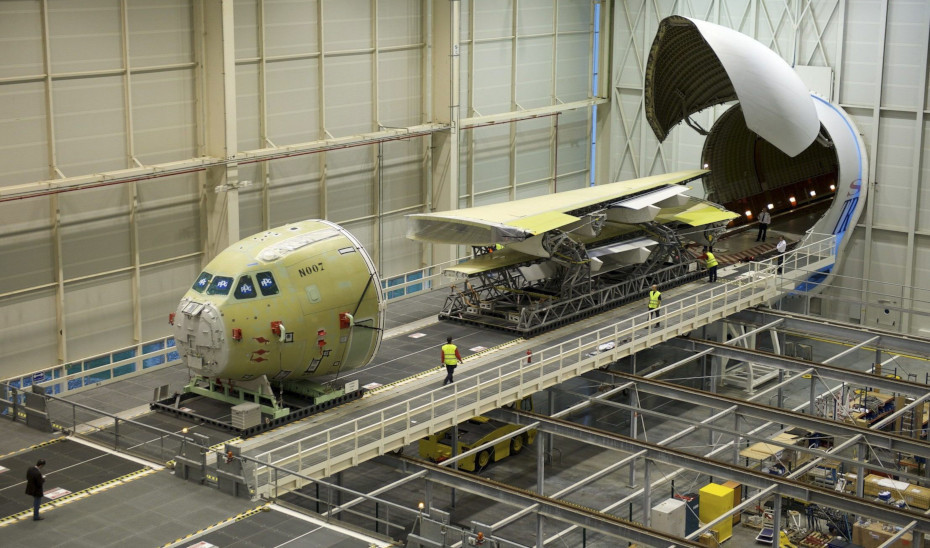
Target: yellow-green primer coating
320 272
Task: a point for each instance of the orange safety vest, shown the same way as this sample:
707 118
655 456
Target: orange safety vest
448 353
654 299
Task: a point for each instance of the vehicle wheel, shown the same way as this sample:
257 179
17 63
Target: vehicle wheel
482 460
516 444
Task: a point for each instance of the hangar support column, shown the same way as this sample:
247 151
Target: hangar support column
215 51
444 192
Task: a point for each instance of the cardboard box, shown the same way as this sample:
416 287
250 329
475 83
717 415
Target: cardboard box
874 533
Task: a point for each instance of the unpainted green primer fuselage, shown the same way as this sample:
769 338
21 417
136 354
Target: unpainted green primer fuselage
295 302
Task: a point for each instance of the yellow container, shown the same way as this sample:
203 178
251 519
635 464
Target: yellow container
716 500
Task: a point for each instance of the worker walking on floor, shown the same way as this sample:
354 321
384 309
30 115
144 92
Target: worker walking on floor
655 300
711 264
450 358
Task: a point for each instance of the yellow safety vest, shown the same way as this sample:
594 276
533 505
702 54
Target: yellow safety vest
448 352
654 299
711 260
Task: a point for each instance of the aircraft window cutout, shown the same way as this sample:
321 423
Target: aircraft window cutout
266 283
220 286
202 282
245 289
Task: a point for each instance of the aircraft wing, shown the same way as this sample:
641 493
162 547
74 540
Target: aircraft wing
515 221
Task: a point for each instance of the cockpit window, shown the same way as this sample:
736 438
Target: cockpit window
220 286
245 289
266 283
202 282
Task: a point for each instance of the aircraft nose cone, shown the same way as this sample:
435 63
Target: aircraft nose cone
200 336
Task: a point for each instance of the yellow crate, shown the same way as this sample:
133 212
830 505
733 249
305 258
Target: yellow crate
716 500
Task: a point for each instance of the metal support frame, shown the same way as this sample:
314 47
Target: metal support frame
504 299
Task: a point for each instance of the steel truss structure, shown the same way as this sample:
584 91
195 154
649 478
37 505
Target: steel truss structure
505 299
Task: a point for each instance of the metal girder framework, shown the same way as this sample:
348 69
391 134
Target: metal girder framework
759 480
588 518
805 326
876 438
797 365
504 299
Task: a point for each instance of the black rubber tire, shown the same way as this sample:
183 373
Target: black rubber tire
516 444
482 460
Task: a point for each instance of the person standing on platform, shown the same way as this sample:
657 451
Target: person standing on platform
655 301
450 358
781 247
764 220
34 482
711 263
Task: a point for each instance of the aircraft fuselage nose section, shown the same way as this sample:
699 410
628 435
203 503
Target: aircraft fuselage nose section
200 336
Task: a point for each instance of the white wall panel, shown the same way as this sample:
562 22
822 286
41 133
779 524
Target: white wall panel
893 171
295 192
23 135
347 25
168 217
400 88
923 197
401 186
492 151
98 312
492 19
349 188
85 36
534 156
291 27
94 231
536 18
903 71
400 22
162 286
90 125
160 33
858 82
21 39
292 91
348 95
28 334
575 15
246 17
404 254
920 301
574 150
251 200
573 68
534 72
247 108
492 80
163 116
26 253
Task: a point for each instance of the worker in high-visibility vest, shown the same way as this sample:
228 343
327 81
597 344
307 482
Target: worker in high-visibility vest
450 358
655 301
711 265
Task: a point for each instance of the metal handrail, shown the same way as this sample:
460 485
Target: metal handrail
323 452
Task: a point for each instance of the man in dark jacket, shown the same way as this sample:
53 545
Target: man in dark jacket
34 482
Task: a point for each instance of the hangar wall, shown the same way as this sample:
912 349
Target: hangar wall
877 52
108 136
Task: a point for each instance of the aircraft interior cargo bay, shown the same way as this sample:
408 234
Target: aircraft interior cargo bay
435 274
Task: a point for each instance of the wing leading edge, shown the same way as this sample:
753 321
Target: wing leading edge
515 221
